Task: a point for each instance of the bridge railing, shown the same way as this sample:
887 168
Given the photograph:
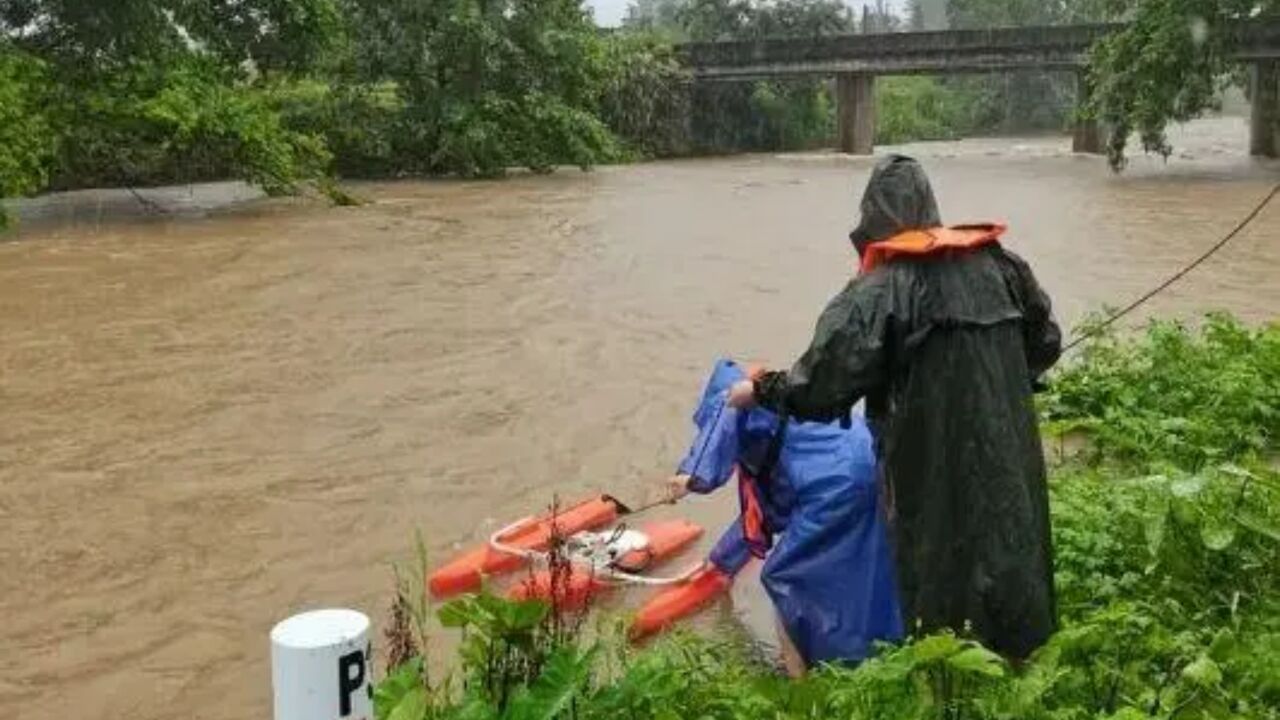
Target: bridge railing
1063 47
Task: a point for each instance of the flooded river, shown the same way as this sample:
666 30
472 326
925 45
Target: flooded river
211 422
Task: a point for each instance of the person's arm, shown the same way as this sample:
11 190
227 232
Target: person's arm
846 360
1040 332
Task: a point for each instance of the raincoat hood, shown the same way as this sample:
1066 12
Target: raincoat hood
898 198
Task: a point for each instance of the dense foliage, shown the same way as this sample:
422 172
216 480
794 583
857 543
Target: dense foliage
26 140
485 84
146 91
1166 66
1176 395
1166 585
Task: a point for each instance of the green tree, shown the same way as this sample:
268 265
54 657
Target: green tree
26 140
646 95
1166 66
271 33
487 84
153 91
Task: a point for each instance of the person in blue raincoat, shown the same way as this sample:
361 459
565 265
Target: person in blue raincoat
812 487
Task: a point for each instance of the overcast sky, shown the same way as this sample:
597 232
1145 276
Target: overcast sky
609 12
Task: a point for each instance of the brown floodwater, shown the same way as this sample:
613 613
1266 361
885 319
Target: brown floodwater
214 419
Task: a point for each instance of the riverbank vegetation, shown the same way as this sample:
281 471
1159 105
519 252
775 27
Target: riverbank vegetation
1167 541
292 93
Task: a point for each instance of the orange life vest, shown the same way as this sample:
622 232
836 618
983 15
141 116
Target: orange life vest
931 241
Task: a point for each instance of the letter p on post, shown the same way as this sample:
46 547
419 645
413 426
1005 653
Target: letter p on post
321 666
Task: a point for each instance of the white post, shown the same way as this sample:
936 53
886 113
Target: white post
321 666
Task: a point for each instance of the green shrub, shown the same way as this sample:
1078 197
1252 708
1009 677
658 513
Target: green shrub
919 108
183 121
1173 395
27 142
645 99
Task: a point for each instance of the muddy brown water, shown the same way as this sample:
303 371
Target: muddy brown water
210 422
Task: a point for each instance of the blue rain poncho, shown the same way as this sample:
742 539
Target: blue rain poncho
829 574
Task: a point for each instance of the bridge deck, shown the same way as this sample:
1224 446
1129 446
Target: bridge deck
952 51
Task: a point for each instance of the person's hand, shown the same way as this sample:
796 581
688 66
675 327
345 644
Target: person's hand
677 486
742 395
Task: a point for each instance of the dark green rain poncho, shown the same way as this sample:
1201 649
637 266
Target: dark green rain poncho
946 350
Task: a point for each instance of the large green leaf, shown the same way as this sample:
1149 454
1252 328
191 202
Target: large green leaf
413 706
524 615
1259 526
936 647
977 660
566 672
460 612
393 688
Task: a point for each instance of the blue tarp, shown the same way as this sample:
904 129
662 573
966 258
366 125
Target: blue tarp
830 573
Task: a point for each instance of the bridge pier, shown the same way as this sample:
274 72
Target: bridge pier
856 112
1264 125
1086 136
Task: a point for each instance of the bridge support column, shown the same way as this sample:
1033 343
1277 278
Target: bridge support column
1264 125
856 112
1086 137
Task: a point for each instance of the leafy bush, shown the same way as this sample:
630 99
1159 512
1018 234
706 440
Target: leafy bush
793 115
485 86
358 123
645 99
27 142
186 120
919 108
1173 395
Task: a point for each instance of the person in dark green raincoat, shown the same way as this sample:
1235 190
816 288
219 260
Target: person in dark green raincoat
945 334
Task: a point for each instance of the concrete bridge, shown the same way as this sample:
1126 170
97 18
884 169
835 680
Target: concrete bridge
855 61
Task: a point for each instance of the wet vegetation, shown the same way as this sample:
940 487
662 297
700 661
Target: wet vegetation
1167 537
289 94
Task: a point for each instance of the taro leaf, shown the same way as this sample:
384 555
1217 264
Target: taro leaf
562 679
388 693
413 706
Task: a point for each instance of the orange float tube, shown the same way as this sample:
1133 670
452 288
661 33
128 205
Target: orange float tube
679 601
666 539
465 572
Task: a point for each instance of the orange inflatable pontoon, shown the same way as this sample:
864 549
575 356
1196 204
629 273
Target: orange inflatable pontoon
640 550
677 602
465 572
